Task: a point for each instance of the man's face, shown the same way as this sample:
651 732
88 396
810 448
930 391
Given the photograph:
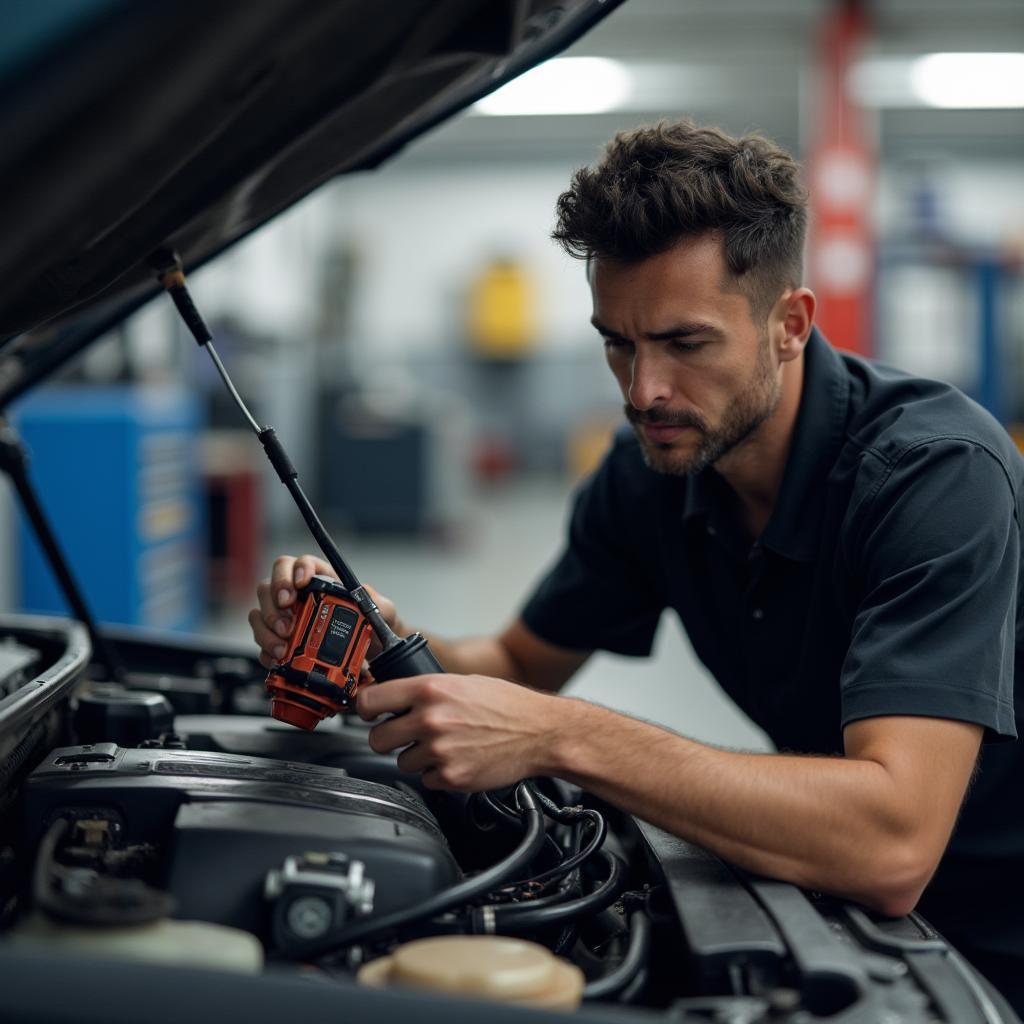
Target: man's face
697 373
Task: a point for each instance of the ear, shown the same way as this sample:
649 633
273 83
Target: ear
794 313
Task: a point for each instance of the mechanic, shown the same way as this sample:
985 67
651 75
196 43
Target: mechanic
840 540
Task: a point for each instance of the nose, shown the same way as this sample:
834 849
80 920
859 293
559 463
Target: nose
649 380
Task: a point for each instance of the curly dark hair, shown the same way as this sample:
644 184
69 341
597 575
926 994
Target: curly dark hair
657 185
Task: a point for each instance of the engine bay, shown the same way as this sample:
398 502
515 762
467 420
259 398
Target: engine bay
168 825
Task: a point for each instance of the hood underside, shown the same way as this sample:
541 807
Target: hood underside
131 124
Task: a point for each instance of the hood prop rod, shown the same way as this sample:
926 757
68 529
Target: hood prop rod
169 271
14 462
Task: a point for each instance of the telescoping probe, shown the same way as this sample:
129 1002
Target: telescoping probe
320 673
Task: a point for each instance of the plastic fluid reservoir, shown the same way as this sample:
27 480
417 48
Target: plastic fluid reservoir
110 714
165 941
482 966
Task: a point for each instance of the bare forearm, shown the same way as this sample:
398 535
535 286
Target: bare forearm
479 655
870 826
516 654
834 824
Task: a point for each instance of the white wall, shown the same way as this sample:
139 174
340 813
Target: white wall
419 238
420 235
424 236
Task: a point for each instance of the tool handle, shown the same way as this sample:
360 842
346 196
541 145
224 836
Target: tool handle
410 657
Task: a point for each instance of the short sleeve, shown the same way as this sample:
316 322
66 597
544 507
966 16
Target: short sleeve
601 594
937 555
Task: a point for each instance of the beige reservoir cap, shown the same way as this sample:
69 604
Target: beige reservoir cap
483 966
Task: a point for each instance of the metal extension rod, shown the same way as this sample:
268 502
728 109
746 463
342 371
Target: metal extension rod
171 275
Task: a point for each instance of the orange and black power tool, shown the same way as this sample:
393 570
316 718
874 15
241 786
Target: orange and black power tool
322 669
321 672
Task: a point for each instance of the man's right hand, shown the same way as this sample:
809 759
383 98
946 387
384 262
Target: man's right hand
272 622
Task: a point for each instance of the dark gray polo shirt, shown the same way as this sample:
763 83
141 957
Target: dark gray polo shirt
885 583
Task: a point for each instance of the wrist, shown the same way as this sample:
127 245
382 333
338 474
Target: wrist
565 736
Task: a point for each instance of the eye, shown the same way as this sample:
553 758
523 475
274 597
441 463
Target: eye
686 346
613 343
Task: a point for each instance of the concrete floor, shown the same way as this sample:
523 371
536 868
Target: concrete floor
474 582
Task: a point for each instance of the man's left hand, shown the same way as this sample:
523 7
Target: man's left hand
466 733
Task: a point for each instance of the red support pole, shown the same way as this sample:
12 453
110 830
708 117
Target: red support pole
842 174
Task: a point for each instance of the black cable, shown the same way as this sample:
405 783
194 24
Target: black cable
564 892
500 810
630 993
556 850
483 816
567 866
522 918
563 945
563 815
634 959
465 891
593 845
508 819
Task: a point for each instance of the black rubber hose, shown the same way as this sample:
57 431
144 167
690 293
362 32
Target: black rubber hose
498 812
593 845
636 956
563 946
559 896
501 811
632 991
522 918
563 815
470 889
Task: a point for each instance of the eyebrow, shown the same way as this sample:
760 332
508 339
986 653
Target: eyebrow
683 330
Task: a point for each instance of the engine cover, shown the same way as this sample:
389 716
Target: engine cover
221 822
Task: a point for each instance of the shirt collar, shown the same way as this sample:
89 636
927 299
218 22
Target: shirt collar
795 524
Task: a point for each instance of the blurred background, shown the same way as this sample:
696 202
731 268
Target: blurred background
423 348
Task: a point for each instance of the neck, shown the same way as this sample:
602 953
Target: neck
754 469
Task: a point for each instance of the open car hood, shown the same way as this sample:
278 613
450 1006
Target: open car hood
131 124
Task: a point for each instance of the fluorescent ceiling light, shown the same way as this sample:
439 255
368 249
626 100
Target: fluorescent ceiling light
566 85
965 80
969 80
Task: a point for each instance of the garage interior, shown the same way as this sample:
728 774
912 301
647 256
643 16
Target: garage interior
423 348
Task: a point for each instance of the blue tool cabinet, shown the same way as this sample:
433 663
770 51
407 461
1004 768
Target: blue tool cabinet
118 472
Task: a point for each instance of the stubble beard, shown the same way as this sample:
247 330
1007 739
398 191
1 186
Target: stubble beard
749 409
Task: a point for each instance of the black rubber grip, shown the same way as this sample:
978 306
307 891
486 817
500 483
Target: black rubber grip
187 308
277 455
412 657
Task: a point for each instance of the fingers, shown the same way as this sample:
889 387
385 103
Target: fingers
288 573
394 734
282 587
271 644
417 758
271 626
396 696
272 622
276 618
